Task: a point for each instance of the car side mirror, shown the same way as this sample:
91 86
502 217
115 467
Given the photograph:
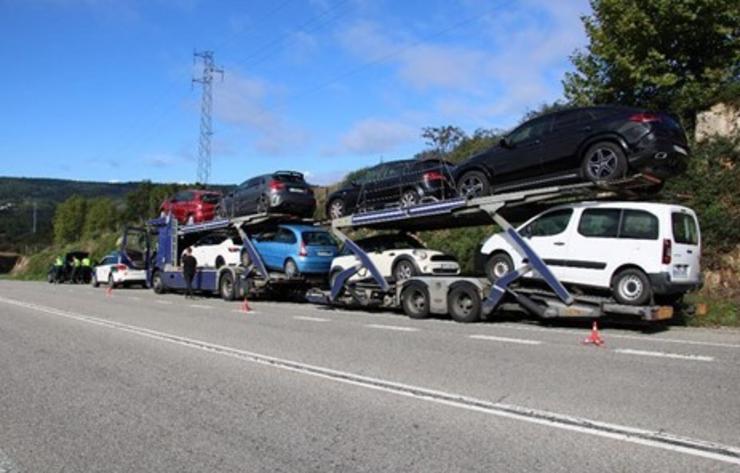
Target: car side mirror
505 142
527 231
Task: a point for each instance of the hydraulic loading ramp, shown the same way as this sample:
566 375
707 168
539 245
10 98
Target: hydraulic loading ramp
461 212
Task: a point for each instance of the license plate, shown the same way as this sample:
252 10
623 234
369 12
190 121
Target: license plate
324 253
297 190
680 271
680 150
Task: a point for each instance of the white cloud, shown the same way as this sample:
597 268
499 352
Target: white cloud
372 136
247 102
324 178
509 70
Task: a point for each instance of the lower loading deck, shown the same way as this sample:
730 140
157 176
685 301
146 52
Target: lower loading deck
465 299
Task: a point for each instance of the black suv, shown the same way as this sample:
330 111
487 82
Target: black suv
280 192
598 144
403 183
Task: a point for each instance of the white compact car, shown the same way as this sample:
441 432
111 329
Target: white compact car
216 250
117 269
641 252
398 257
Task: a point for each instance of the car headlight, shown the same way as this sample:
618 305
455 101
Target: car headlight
421 254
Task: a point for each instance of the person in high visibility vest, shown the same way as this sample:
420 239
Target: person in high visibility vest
58 267
86 269
76 270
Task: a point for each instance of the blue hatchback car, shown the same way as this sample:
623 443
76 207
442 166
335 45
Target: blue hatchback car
297 250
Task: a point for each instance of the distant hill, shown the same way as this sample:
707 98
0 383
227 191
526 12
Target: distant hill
17 198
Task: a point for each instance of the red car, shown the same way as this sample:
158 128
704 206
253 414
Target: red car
192 206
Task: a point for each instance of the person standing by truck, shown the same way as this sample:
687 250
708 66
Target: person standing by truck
189 267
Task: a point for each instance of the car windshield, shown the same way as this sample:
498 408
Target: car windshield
318 239
390 242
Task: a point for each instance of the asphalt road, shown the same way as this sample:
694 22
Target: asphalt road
133 381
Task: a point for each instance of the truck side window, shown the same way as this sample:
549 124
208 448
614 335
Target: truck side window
551 223
599 223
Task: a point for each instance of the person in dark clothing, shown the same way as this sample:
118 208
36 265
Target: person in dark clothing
189 267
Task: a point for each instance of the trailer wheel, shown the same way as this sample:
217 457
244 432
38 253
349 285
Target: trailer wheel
226 286
157 284
463 303
415 300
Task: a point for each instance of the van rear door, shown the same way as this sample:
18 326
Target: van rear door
686 246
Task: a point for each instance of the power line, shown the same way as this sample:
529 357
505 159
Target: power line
206 108
264 52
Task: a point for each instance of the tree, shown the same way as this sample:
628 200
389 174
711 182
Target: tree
481 140
102 217
443 139
69 220
543 109
674 55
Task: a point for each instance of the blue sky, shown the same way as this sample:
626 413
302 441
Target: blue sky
100 89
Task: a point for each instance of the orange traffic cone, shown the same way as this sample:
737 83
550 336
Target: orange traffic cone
245 306
595 337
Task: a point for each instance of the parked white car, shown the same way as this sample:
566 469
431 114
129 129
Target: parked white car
116 269
641 252
398 257
216 250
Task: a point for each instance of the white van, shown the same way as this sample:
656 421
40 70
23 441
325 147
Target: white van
643 252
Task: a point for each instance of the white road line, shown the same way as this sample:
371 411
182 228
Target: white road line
523 341
310 319
164 302
650 438
200 306
642 338
393 327
661 354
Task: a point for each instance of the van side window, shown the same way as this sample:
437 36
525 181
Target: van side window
599 223
639 224
550 224
684 229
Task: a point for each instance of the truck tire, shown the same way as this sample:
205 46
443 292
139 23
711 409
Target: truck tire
415 300
158 284
631 286
226 286
463 303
